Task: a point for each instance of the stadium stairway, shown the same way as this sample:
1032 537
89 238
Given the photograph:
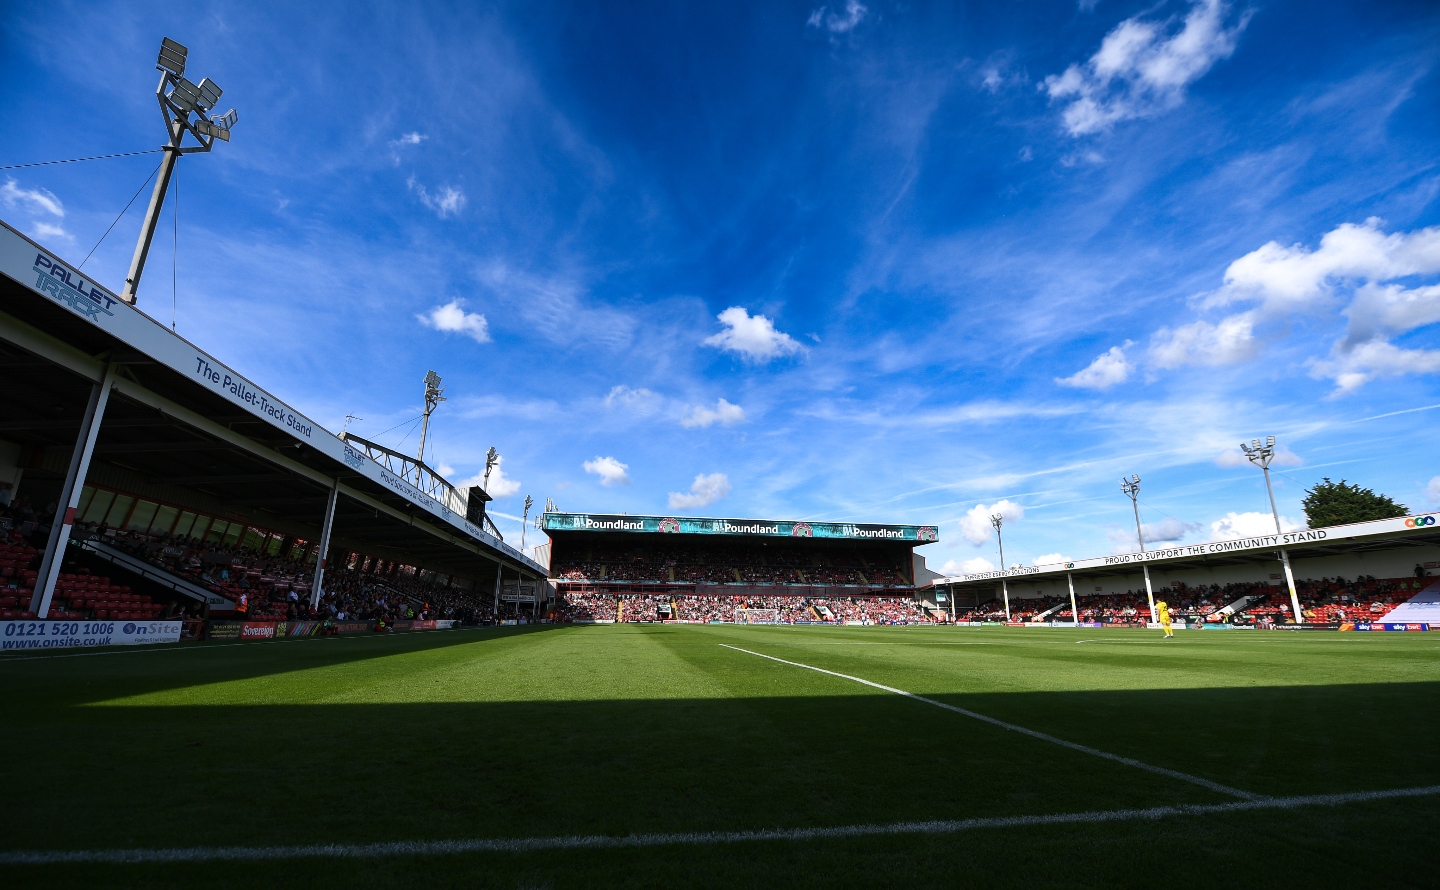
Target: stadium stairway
154 574
1051 611
1422 608
1247 601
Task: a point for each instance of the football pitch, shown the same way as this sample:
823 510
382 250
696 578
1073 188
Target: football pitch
664 755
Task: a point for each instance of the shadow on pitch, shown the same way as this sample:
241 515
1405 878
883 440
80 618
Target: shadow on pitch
301 773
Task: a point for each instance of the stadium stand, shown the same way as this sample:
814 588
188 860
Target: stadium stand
190 488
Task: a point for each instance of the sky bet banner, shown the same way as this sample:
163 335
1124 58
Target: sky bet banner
43 272
586 522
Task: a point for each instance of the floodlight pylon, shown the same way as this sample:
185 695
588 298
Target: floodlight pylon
179 99
1261 456
1131 487
997 520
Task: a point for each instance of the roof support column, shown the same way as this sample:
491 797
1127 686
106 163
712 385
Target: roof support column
1074 610
69 499
499 570
324 552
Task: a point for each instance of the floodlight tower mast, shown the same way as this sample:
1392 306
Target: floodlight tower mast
524 520
178 99
1131 487
1261 456
492 457
998 520
434 395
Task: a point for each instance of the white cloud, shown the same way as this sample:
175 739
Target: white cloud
1110 368
976 527
1049 559
453 319
1142 69
823 19
723 413
1285 278
501 486
1290 279
753 337
1249 525
1202 343
49 230
1165 531
955 567
447 202
705 490
637 401
1432 491
35 200
411 138
610 470
1234 457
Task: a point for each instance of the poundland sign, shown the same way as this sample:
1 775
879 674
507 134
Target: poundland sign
769 528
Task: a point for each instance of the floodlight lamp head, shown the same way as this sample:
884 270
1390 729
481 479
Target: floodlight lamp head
997 520
1269 441
172 57
209 94
185 95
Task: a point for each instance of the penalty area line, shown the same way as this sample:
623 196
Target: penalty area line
1044 737
603 842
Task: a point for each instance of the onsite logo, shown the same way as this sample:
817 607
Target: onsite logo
1419 521
128 629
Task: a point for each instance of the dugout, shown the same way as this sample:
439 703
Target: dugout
107 412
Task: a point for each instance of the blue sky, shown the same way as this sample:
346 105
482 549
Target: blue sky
861 261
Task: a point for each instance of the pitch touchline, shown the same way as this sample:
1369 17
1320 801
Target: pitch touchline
601 842
1074 746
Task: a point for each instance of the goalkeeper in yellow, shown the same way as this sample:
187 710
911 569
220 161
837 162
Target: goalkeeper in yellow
1162 611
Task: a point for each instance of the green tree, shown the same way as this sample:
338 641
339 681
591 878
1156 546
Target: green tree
1336 503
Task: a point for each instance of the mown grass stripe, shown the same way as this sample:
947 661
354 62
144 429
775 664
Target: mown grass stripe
1045 737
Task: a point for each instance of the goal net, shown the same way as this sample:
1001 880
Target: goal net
757 616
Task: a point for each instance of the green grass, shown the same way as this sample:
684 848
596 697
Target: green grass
631 729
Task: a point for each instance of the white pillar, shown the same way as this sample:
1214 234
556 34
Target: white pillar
1290 580
1074 609
1005 589
1150 594
320 557
69 499
952 603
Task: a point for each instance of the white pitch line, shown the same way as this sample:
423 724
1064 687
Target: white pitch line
1074 746
603 842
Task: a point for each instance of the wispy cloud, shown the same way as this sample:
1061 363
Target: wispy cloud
723 413
36 200
446 202
1142 69
843 22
